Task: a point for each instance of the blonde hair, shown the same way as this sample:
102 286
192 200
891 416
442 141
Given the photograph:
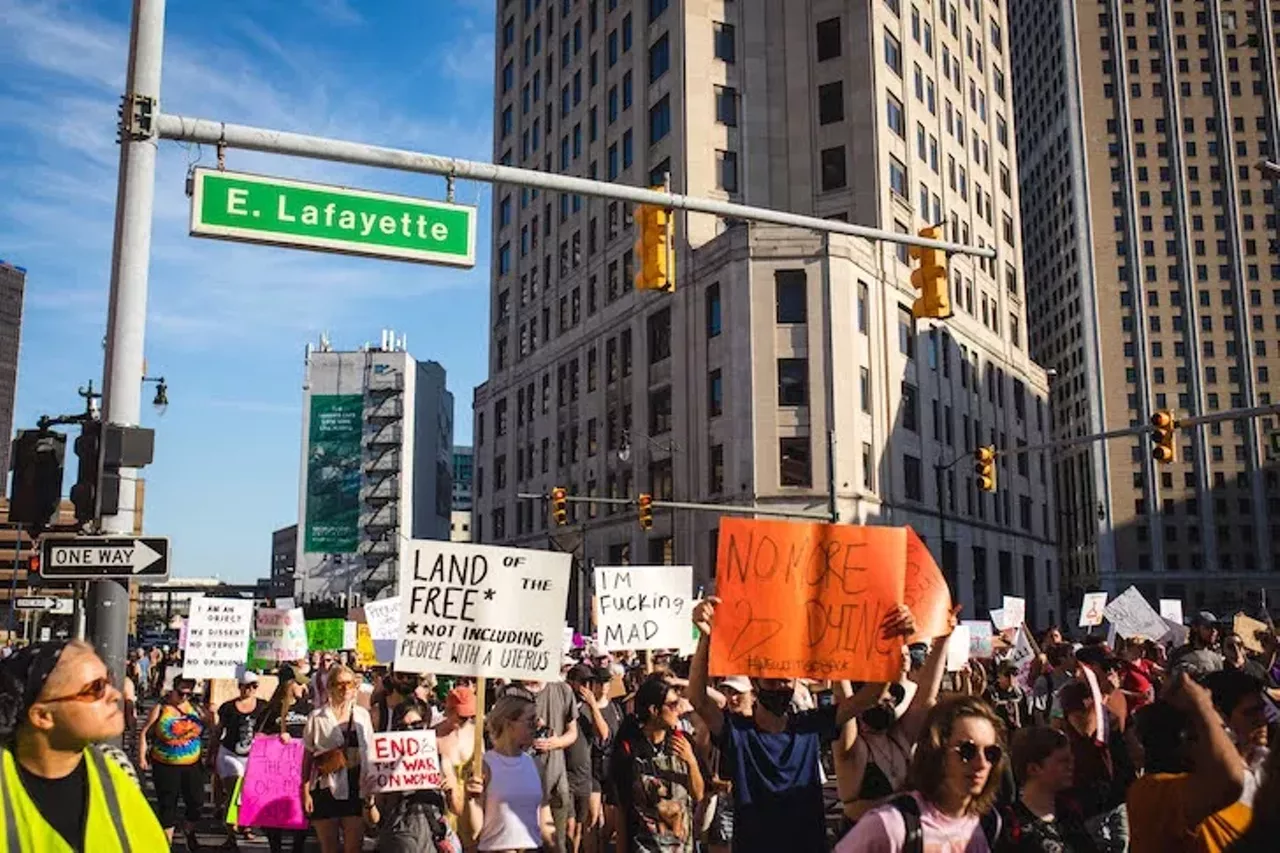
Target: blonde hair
331 679
505 711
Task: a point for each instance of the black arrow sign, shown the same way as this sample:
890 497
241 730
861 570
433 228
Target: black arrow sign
102 557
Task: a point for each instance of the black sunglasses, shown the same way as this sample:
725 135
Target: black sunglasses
968 751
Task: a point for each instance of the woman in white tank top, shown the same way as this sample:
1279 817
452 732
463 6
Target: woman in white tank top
508 804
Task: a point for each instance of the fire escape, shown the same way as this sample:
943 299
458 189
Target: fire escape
380 493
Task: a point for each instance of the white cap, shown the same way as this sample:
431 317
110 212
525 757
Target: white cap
740 683
248 677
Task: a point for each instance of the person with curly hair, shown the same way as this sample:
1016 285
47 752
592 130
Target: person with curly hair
57 789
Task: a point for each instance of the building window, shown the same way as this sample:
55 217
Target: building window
659 58
713 310
726 105
795 464
715 394
793 382
833 171
868 467
910 408
892 53
660 411
660 120
897 177
828 34
791 294
831 102
660 336
895 117
656 8
725 42
727 171
864 300
912 478
906 332
715 473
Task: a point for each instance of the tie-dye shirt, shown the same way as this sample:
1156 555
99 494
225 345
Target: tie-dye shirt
176 736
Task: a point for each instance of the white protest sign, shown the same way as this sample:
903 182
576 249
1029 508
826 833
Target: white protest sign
401 761
981 640
280 635
1091 610
958 648
997 619
1171 609
349 634
383 617
1015 611
218 632
1177 635
566 643
1022 653
1132 616
1099 709
285 603
644 607
481 610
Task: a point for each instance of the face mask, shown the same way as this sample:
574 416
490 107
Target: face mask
879 718
776 701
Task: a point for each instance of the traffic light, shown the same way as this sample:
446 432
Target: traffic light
85 493
653 247
644 508
984 465
559 506
37 477
931 279
1163 425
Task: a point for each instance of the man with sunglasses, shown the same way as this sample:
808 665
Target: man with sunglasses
56 789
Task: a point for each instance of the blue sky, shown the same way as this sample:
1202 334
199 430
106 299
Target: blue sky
227 323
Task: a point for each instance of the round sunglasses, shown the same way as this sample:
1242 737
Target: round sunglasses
968 751
94 691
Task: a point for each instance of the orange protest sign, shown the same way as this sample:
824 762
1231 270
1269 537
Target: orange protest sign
926 592
802 600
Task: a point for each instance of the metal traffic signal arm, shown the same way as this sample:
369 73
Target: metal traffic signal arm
723 509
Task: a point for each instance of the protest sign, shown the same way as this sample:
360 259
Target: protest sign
218 634
1015 611
285 603
366 653
1248 627
182 634
958 648
1177 635
998 619
481 610
383 617
1171 609
280 635
1133 616
325 635
807 600
643 607
348 634
1091 611
271 796
981 640
401 761
925 591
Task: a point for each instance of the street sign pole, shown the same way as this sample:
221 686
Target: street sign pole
107 604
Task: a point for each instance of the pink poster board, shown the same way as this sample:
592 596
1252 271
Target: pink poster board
271 796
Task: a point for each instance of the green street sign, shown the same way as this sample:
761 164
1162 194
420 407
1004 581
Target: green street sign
295 214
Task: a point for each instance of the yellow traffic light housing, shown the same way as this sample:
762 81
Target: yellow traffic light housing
984 465
1163 425
656 261
931 279
560 506
644 509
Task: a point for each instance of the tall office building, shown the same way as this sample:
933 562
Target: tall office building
460 518
1153 277
778 346
377 457
12 287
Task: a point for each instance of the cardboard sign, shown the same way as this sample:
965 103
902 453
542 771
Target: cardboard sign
383 617
643 607
981 640
325 635
1015 611
925 591
1091 612
1171 609
958 648
1133 616
1248 627
218 634
805 600
401 761
481 610
280 635
271 795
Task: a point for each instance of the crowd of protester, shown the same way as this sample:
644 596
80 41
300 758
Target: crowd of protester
1089 747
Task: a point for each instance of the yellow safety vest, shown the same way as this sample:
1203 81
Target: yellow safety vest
119 820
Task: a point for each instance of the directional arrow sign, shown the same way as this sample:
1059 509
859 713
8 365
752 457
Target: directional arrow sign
99 557
35 603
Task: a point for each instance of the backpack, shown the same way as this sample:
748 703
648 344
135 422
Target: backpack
913 841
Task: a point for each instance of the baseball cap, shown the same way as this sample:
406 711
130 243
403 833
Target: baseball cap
287 673
579 674
462 701
1205 618
737 683
247 677
601 675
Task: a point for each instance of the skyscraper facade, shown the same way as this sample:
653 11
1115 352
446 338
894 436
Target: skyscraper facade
786 369
12 289
1153 279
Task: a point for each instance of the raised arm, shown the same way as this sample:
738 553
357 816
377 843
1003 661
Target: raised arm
703 618
930 682
1219 769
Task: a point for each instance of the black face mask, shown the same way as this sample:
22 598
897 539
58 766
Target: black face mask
776 701
879 718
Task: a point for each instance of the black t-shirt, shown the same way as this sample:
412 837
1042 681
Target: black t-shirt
1024 832
577 758
63 803
238 727
294 721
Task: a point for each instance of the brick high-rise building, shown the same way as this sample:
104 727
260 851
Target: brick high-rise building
1153 280
777 345
12 287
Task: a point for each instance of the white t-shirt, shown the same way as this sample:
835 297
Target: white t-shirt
883 830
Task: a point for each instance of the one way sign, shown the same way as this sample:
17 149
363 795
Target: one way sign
102 557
